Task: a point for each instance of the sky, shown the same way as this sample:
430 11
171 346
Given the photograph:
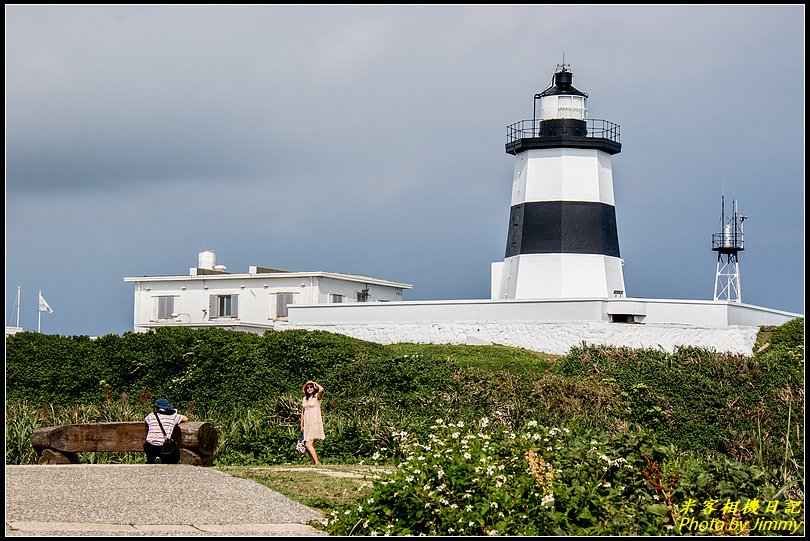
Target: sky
370 140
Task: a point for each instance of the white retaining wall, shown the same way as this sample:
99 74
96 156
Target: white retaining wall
551 326
556 338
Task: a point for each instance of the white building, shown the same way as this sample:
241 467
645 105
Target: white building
210 296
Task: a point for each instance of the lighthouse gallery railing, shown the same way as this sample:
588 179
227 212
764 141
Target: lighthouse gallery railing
597 129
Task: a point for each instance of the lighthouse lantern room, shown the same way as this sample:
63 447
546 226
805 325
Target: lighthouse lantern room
562 239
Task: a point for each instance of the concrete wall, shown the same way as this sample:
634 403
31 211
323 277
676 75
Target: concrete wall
556 338
647 311
551 326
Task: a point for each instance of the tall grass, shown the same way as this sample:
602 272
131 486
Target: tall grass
22 418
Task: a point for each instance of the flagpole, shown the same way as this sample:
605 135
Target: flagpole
39 313
18 307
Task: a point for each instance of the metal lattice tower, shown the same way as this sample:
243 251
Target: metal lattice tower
728 243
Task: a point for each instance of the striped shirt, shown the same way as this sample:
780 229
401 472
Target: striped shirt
155 435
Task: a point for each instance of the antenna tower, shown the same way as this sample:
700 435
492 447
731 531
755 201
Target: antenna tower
728 243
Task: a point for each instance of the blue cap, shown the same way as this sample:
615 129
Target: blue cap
164 404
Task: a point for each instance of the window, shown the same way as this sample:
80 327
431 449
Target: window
363 296
282 301
335 299
223 306
622 318
165 307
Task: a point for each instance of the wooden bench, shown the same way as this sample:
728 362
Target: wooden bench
59 444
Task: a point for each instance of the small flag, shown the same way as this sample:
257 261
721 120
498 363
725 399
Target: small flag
43 306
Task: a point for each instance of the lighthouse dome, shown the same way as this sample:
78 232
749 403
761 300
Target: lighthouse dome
562 100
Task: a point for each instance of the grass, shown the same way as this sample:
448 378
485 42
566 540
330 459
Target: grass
491 358
325 487
763 339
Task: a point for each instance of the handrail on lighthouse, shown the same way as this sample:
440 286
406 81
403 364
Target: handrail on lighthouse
597 129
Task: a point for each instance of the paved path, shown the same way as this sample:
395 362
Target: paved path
146 500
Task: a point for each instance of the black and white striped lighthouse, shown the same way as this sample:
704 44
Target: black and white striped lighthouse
562 240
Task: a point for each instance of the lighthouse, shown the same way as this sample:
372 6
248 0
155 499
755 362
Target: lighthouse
562 240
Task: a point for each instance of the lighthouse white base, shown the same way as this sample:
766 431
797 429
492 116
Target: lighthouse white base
555 276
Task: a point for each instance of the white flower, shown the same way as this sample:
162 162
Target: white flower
468 456
375 456
532 424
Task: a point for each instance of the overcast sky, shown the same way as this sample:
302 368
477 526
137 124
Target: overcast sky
371 140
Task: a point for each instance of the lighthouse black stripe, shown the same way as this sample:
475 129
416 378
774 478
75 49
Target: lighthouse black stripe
562 227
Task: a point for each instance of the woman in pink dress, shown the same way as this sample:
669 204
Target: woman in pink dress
311 420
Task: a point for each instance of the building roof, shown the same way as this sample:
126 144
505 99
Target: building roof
562 85
265 273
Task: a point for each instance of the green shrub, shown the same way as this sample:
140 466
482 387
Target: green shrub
248 386
480 480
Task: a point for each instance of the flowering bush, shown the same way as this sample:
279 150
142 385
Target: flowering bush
482 480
